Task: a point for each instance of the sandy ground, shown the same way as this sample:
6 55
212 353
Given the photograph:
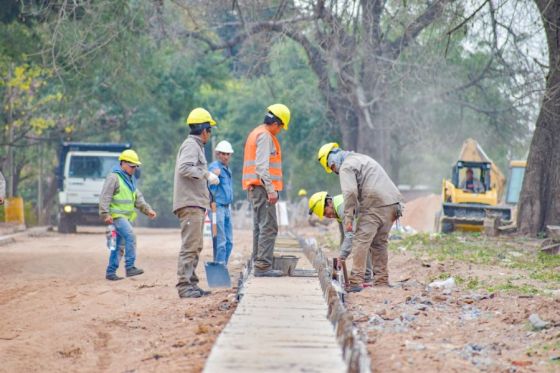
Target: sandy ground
410 326
420 213
58 313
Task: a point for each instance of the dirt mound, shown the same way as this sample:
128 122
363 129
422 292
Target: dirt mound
420 213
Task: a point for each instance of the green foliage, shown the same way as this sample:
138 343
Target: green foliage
123 71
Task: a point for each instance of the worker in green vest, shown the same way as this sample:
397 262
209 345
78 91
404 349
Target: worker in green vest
117 203
323 205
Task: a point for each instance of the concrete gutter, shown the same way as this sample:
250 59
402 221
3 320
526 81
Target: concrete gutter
353 346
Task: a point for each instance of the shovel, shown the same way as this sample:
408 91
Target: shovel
217 274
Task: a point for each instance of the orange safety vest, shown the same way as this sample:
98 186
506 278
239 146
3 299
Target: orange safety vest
250 164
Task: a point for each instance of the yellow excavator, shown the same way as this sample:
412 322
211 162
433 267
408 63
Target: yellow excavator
476 189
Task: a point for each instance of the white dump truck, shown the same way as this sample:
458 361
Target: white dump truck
81 172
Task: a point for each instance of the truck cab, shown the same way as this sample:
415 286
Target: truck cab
81 173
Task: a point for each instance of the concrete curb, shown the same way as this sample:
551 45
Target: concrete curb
31 232
353 346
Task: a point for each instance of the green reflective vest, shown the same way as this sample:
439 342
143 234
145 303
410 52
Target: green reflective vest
122 204
338 202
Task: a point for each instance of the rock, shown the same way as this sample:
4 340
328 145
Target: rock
421 307
443 284
407 318
376 320
439 298
446 291
470 313
521 363
414 346
537 322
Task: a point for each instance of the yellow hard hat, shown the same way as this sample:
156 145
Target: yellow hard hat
323 154
281 112
200 116
130 156
317 204
302 192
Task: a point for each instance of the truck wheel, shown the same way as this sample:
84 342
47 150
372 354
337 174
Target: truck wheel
447 227
65 225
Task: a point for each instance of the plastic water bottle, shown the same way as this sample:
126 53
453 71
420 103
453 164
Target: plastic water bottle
111 233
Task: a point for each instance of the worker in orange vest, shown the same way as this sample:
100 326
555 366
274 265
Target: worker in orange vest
262 179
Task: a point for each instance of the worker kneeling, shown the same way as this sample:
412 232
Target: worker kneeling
323 205
369 194
117 202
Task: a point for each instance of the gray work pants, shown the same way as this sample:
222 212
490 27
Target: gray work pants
265 228
192 230
372 236
369 270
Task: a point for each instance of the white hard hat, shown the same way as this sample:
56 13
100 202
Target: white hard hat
224 147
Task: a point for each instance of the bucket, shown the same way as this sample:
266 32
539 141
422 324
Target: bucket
285 263
13 210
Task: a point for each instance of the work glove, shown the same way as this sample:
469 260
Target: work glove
212 178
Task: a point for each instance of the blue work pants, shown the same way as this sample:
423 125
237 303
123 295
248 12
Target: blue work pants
224 241
126 238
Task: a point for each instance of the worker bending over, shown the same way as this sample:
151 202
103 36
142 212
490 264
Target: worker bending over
322 204
368 192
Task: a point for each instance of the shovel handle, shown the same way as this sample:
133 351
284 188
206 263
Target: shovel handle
214 227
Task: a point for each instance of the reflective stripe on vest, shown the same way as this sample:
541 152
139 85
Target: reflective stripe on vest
122 204
338 201
250 164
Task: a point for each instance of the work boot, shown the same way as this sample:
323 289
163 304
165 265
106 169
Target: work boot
269 273
354 288
113 277
133 271
202 291
193 292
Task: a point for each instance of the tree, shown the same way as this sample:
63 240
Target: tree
539 203
351 47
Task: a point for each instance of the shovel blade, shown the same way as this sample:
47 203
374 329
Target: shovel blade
217 275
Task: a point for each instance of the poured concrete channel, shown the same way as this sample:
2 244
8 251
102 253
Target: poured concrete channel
280 325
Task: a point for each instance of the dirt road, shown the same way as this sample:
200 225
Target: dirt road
58 313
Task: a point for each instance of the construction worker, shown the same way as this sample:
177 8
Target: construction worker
368 192
301 208
324 205
222 195
119 197
262 179
191 198
471 184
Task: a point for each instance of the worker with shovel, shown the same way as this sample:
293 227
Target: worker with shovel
191 198
262 179
222 196
117 202
369 192
324 205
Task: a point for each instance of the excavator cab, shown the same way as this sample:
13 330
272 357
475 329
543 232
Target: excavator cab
481 173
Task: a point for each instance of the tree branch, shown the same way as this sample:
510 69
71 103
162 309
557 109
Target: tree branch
417 26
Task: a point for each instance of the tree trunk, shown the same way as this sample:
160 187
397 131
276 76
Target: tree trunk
539 203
